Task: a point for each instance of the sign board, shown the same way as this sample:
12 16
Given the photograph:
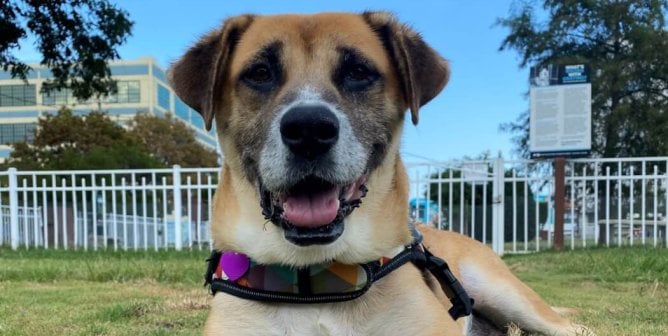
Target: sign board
560 119
475 172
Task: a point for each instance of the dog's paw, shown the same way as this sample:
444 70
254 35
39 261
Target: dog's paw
580 330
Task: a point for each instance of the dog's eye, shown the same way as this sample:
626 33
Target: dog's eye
358 72
259 74
355 73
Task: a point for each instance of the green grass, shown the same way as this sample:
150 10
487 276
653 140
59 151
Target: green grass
58 292
617 291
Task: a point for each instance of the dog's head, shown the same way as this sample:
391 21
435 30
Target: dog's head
309 111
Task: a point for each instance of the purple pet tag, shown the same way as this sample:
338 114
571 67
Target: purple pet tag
234 265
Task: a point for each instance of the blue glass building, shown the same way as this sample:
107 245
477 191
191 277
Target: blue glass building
142 86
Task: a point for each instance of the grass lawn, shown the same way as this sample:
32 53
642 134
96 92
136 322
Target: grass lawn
618 291
60 292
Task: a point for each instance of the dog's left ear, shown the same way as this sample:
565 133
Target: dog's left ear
422 71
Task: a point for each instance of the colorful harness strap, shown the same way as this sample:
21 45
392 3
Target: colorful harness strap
330 277
234 273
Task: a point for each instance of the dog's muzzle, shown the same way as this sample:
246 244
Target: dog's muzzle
316 189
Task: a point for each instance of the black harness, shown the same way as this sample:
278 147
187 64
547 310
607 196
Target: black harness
416 253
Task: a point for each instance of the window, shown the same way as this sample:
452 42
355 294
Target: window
181 109
13 133
159 74
128 69
128 92
197 121
163 97
17 95
58 98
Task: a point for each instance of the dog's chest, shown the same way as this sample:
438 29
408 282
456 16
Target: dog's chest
235 316
304 320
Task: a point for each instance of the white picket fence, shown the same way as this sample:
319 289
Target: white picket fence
127 209
506 204
509 204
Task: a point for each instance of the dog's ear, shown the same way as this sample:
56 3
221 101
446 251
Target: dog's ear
422 71
198 75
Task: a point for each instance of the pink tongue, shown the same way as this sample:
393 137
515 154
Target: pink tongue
311 211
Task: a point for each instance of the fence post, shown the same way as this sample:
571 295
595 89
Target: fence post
178 239
498 207
13 209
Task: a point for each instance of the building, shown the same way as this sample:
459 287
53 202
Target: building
142 86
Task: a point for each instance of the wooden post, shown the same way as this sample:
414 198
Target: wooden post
559 201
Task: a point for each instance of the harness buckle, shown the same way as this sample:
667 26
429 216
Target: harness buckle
212 263
462 304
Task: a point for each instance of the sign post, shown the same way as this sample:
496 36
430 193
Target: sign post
560 124
559 201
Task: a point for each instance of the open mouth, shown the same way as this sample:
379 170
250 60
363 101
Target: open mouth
312 211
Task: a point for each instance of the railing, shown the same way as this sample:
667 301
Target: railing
121 209
505 204
609 202
622 201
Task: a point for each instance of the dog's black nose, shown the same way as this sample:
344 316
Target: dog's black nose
309 131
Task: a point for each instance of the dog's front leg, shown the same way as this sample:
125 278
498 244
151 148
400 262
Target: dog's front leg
403 304
232 316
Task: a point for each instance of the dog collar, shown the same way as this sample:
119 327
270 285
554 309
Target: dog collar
236 274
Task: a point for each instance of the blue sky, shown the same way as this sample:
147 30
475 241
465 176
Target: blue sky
486 88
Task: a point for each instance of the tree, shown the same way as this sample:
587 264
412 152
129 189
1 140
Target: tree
67 141
95 141
625 42
75 37
171 141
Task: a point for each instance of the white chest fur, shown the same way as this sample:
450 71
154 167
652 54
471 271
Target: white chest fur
320 321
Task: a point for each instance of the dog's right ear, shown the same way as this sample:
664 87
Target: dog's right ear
198 75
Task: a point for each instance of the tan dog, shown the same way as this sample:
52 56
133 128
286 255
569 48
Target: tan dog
309 110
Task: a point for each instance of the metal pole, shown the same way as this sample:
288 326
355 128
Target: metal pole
176 180
559 201
498 239
13 208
